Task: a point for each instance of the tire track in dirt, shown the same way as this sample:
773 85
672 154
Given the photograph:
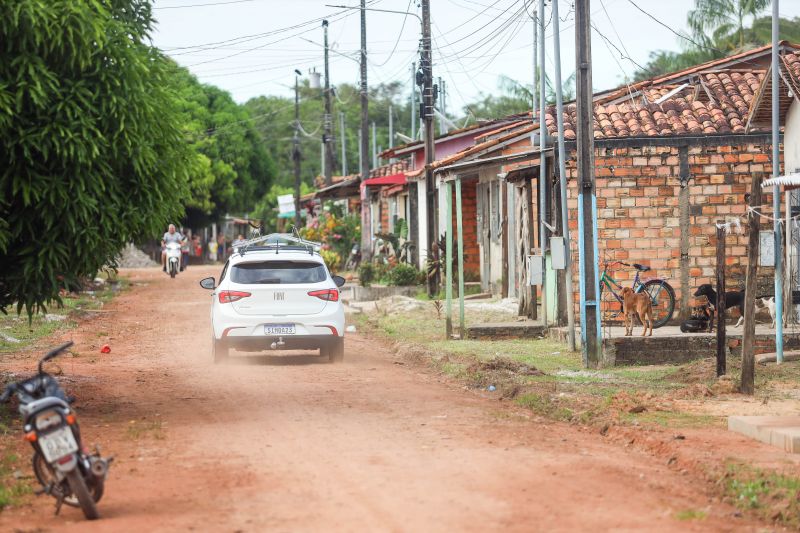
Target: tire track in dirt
260 444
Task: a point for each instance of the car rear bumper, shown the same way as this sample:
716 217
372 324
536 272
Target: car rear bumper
235 328
287 342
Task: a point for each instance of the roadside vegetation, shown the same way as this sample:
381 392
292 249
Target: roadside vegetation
20 331
543 376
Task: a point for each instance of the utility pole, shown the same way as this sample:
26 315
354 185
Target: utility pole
414 109
543 180
535 120
327 136
426 65
443 86
440 95
366 229
747 382
776 190
562 173
360 150
296 149
391 128
344 143
374 147
587 206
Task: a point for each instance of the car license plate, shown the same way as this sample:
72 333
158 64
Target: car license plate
57 444
279 329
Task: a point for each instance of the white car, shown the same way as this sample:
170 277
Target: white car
276 297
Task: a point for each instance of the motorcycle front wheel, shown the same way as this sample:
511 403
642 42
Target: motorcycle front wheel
45 476
79 489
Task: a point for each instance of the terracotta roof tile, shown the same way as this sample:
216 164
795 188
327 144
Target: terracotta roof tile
391 169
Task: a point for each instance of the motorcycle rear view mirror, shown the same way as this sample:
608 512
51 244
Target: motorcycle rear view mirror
339 280
208 283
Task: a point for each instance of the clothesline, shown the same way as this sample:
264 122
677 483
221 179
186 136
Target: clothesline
735 221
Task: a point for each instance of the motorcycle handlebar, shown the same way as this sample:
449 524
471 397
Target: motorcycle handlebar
52 353
9 390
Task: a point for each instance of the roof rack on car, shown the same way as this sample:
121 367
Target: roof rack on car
274 240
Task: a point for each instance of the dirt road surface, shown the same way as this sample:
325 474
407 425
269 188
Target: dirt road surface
298 444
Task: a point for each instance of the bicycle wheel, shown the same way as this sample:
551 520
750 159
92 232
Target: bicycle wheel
663 298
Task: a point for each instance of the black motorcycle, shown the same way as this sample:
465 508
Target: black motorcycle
60 463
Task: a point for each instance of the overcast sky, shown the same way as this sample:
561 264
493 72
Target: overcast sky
251 47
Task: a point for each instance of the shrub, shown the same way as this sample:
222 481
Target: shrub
331 259
366 274
403 275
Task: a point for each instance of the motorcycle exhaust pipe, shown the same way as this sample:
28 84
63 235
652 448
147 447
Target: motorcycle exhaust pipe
99 467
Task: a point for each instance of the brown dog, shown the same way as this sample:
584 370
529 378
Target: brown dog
640 304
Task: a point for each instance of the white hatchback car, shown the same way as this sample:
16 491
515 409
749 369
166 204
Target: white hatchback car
276 297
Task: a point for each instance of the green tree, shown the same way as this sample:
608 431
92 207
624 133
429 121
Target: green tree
514 98
723 21
230 169
731 36
92 154
274 120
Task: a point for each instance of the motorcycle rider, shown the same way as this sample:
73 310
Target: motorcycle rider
170 236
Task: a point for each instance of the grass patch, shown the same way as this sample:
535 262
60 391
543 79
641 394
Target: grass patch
153 428
691 514
673 419
771 495
19 328
545 406
12 488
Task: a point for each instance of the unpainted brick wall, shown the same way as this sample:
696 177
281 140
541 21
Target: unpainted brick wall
638 211
469 219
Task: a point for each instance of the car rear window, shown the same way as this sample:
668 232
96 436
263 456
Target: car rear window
278 272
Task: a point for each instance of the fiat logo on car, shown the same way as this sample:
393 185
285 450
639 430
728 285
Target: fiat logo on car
278 296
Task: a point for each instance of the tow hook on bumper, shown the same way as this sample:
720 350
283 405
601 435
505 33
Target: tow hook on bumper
277 344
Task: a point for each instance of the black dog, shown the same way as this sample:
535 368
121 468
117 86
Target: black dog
732 299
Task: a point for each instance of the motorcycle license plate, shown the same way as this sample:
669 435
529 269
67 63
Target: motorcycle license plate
279 329
57 444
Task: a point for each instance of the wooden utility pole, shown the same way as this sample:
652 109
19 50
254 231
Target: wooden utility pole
587 230
562 173
296 149
344 143
543 180
720 303
426 64
366 229
327 136
748 356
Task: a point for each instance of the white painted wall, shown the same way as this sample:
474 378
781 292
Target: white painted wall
489 175
422 224
791 139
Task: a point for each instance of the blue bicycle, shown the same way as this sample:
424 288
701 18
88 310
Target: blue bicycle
662 295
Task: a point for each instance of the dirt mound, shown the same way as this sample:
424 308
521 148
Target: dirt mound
506 365
132 257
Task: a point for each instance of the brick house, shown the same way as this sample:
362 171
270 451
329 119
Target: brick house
673 155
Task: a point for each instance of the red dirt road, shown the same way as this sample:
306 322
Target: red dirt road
297 444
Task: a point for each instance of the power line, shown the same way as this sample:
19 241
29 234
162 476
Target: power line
682 36
399 35
622 56
614 28
246 38
206 5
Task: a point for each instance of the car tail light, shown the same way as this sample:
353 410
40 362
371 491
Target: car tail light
226 297
329 295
